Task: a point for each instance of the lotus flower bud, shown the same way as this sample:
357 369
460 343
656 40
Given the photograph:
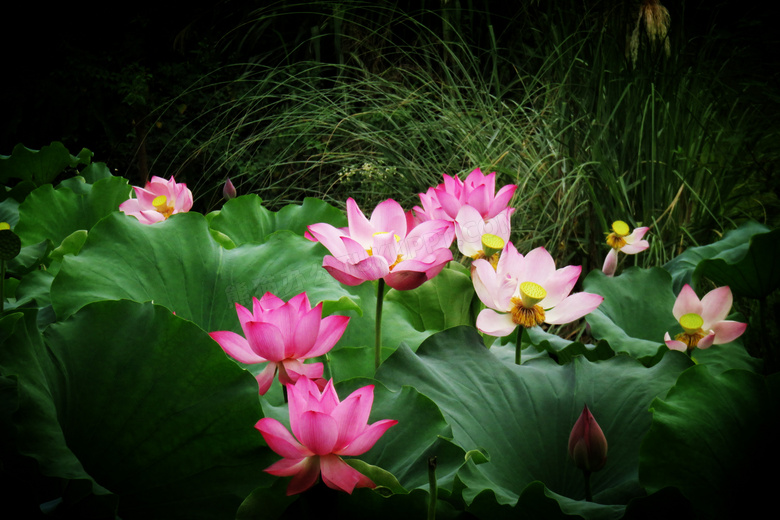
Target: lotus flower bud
587 444
229 191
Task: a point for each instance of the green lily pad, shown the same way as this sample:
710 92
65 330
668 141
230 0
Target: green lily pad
734 244
751 272
177 263
141 404
522 415
245 220
39 166
712 438
51 215
636 311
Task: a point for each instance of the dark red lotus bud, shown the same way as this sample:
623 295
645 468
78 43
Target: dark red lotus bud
587 444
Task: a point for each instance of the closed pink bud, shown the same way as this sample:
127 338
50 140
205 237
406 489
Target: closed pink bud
587 444
229 191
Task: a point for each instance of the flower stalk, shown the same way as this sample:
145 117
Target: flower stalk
519 345
432 488
380 296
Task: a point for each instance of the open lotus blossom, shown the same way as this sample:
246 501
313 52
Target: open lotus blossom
587 443
528 291
158 200
323 430
282 335
703 321
478 191
620 239
384 247
479 237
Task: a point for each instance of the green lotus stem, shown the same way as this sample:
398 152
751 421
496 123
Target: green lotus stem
380 294
519 345
432 488
588 494
2 285
326 371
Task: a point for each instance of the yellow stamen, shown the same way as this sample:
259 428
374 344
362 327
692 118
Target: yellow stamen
526 316
4 225
375 233
491 244
493 259
690 340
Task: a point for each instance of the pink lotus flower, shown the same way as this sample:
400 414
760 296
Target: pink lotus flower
621 240
703 321
471 227
477 191
528 291
324 429
158 200
587 443
384 247
282 335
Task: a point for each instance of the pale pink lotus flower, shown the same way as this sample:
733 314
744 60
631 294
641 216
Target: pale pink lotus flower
478 191
471 227
384 247
528 291
621 240
323 430
703 321
282 335
158 200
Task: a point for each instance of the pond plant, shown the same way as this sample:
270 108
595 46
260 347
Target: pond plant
247 363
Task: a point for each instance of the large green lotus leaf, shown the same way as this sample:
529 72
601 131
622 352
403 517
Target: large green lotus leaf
49 214
145 404
245 220
713 437
39 166
9 211
396 322
440 303
403 451
522 415
636 311
734 243
177 263
751 272
536 501
563 350
407 316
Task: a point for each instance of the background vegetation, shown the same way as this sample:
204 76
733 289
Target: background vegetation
598 110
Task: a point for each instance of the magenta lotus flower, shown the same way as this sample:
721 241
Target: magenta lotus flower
384 247
587 443
703 321
477 191
323 430
158 200
528 291
282 335
622 240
